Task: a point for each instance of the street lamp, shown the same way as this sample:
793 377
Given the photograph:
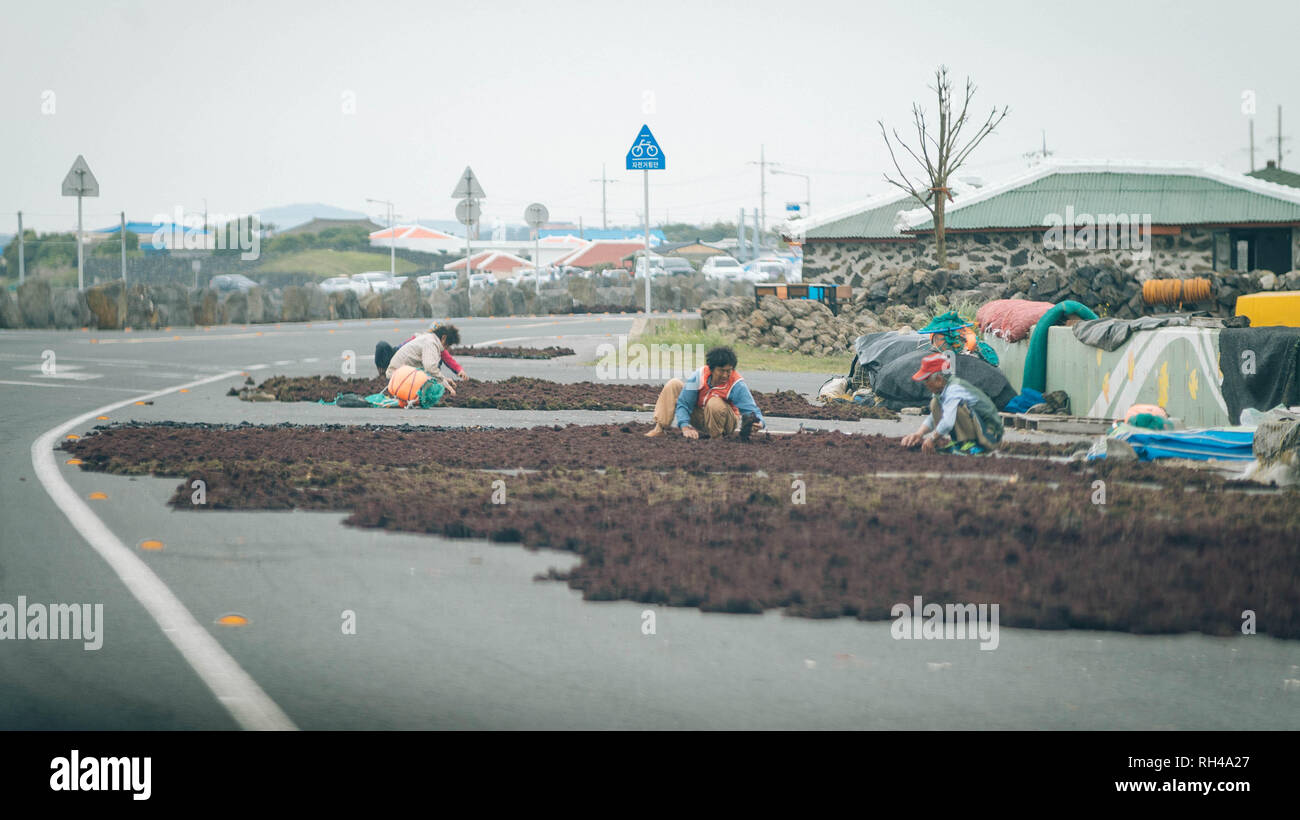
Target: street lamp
392 237
807 182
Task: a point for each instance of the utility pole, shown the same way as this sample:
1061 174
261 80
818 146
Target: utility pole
1252 145
761 215
22 255
122 236
1042 153
807 186
392 237
1279 138
604 181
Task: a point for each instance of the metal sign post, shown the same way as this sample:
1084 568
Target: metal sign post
646 155
469 191
536 216
468 213
80 182
22 263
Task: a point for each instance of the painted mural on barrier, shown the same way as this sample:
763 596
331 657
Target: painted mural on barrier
1176 368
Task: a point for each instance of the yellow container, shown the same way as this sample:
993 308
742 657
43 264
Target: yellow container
1271 309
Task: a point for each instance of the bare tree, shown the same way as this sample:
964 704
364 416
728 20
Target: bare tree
938 154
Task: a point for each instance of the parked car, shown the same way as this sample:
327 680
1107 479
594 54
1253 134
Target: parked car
528 277
677 266
231 282
721 267
656 266
481 280
338 284
444 280
378 281
765 270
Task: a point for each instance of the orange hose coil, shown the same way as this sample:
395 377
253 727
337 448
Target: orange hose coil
1174 291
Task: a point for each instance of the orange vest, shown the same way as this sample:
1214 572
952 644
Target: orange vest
722 391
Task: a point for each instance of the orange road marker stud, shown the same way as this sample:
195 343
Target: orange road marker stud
258 333
151 544
169 327
98 496
184 390
72 436
73 461
139 404
232 619
94 341
177 338
85 330
331 330
101 418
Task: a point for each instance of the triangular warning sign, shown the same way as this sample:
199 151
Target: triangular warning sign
645 154
468 186
80 181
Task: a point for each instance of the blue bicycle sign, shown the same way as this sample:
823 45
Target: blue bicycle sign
645 153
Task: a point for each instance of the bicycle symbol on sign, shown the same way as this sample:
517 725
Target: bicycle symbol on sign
645 148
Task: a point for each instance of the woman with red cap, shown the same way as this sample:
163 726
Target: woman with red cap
963 419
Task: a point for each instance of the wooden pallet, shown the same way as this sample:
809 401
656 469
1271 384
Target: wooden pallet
1048 423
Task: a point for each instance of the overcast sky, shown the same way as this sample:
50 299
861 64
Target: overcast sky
244 103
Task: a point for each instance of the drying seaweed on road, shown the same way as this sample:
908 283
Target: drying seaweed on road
504 352
1026 534
523 393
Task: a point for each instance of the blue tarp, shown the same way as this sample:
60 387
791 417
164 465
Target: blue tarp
1224 443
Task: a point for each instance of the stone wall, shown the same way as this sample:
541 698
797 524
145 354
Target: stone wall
891 299
113 305
850 262
801 325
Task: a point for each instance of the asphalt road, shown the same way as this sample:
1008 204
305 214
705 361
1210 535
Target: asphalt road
457 634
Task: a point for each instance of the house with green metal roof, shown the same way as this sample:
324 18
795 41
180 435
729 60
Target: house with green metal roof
1179 219
1272 173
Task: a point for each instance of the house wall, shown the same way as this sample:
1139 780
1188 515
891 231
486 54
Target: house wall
1190 252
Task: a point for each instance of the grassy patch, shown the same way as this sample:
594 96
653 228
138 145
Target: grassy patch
324 263
751 358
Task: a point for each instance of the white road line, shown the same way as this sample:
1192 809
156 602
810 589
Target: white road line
87 386
251 707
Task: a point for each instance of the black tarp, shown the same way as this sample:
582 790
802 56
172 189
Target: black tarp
1261 368
874 350
893 383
